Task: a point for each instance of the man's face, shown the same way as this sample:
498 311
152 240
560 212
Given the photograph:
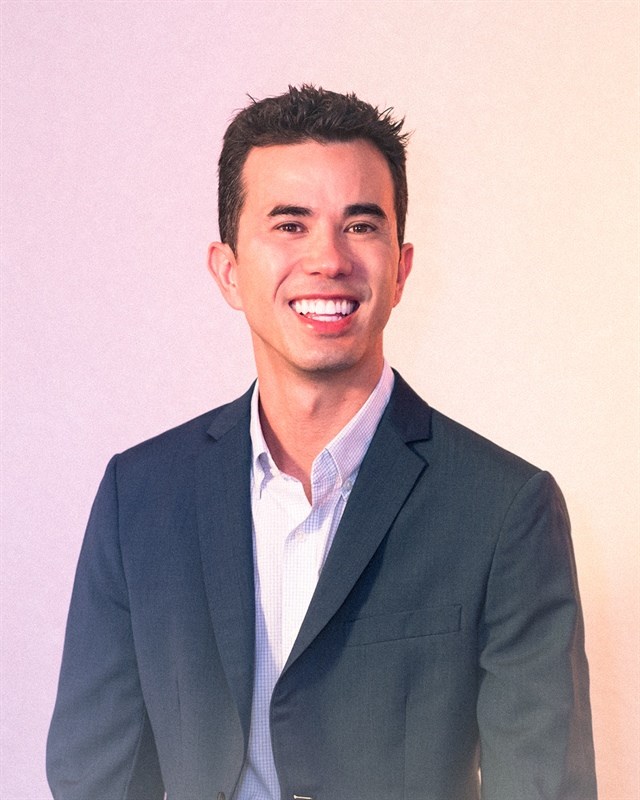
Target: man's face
318 267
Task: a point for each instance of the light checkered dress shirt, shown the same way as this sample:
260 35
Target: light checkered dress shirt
291 539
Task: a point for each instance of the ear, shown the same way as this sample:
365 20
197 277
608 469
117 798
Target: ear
404 268
223 266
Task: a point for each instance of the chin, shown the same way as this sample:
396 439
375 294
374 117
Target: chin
330 364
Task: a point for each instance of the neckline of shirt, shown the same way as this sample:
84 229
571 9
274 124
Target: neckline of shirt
344 452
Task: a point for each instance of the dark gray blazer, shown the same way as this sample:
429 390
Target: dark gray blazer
445 633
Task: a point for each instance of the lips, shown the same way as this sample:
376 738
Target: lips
321 309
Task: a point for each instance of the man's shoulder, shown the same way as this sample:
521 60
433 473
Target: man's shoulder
451 444
477 451
192 436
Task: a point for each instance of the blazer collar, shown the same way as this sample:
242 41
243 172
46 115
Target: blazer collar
408 413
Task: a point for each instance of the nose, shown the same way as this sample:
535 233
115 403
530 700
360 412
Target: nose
328 255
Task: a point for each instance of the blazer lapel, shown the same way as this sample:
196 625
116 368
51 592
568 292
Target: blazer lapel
225 529
387 475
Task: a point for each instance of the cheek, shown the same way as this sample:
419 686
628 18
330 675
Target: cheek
256 296
261 269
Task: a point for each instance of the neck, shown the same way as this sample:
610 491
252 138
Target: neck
300 416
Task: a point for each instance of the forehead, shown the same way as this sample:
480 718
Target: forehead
313 172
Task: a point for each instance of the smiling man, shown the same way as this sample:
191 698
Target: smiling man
325 590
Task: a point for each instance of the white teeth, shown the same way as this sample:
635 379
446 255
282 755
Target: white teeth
324 308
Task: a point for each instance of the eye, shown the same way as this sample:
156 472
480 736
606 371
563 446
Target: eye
290 227
361 227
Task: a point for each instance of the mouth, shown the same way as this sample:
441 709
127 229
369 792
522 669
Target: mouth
318 308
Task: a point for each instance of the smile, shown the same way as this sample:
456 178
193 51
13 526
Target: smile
319 308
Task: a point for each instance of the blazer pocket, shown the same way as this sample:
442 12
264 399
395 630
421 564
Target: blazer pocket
428 621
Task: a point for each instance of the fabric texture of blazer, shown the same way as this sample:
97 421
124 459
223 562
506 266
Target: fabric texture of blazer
445 634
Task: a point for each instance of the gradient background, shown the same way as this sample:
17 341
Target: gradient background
519 320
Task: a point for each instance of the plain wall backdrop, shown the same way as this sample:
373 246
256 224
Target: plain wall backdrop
519 319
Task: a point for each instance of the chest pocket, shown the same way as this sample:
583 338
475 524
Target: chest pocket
428 621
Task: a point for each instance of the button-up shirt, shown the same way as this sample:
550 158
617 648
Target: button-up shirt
291 539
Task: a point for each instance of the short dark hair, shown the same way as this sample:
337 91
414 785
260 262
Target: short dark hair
301 114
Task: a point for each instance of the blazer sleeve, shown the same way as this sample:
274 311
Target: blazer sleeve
533 704
100 742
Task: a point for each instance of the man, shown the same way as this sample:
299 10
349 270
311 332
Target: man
325 589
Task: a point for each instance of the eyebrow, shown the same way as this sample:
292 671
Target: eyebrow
290 211
366 210
354 210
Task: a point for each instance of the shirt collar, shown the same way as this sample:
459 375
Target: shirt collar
346 450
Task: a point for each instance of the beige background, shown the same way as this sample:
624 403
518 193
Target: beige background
520 318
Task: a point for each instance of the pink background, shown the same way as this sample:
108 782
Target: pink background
519 318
